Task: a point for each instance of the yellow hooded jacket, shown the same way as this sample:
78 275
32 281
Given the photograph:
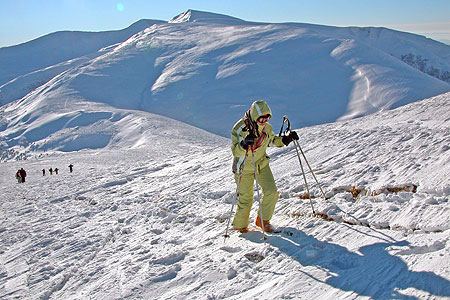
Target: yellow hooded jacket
267 138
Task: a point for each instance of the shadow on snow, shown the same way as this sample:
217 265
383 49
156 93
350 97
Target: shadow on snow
372 272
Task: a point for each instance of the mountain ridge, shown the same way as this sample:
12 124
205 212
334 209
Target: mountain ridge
191 15
65 45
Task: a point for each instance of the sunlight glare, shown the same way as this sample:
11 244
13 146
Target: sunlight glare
120 7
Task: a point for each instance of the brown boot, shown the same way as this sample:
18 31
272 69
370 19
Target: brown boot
267 226
241 230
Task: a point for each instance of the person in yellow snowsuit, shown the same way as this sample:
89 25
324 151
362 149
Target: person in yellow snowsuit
254 133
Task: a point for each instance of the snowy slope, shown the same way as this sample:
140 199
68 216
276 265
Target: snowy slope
59 47
147 223
205 69
27 66
393 42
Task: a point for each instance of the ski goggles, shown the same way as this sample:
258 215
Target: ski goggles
263 119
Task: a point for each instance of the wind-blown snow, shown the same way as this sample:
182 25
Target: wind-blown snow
205 17
147 223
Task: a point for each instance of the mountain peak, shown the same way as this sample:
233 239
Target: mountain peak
205 17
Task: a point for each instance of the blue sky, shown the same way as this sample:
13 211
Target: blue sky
23 20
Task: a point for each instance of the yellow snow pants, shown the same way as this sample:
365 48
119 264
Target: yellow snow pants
268 201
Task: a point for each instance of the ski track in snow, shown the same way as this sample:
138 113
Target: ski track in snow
149 224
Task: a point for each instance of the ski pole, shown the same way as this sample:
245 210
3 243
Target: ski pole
297 144
241 170
304 178
259 198
297 147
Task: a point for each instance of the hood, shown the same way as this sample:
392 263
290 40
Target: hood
259 108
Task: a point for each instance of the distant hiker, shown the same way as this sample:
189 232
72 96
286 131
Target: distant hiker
23 174
19 179
254 133
71 168
56 171
43 172
51 171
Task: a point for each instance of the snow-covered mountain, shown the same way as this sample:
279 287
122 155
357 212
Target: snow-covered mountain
144 212
60 47
205 69
148 223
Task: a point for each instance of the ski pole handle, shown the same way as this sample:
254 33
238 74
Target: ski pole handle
285 117
288 125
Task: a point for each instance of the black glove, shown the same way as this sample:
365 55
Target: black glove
294 135
286 139
247 141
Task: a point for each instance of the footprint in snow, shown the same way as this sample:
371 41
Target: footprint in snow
166 275
231 249
345 262
436 246
169 259
159 168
